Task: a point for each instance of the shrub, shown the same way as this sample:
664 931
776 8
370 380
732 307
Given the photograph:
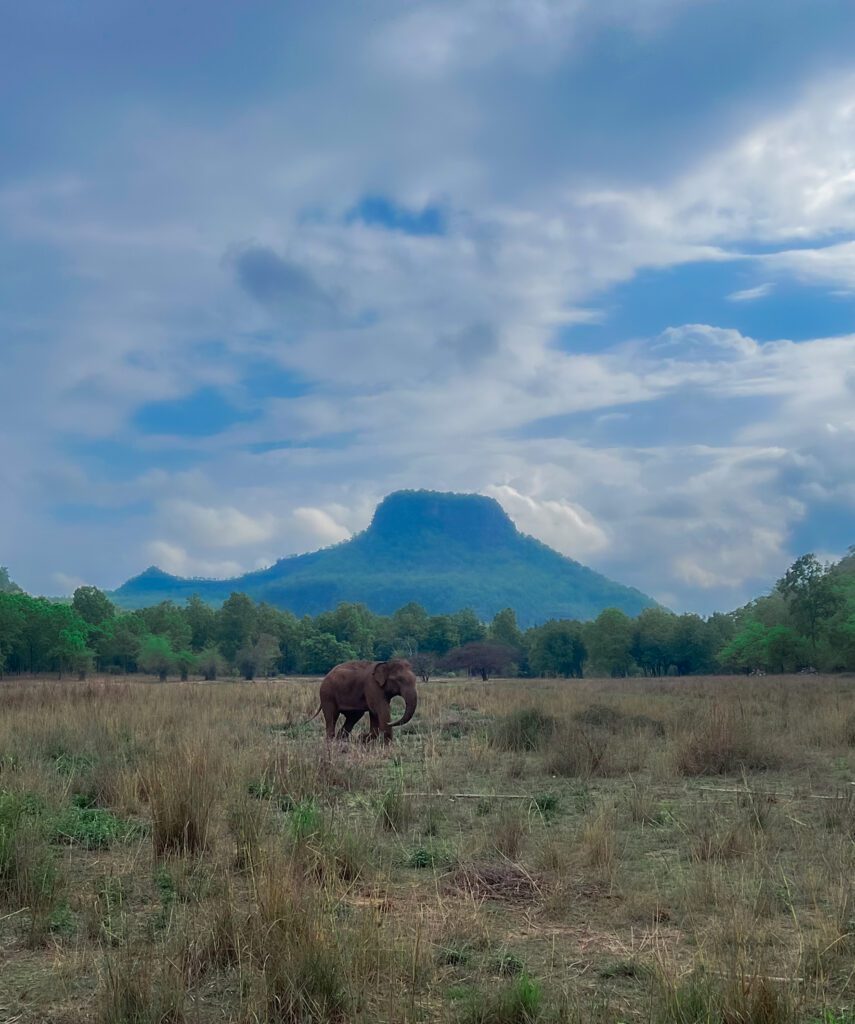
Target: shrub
725 742
526 729
575 752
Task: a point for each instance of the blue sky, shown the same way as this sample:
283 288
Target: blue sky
262 263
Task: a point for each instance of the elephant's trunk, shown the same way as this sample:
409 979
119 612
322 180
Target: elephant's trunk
410 701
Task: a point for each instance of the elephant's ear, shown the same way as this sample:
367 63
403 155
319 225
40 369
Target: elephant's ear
381 673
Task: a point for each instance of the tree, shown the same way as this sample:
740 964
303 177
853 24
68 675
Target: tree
321 652
469 627
258 657
747 651
504 629
557 648
167 619
157 656
653 641
7 585
609 642
93 605
692 646
71 650
117 641
481 658
808 588
424 665
210 663
352 624
202 620
12 618
408 627
235 624
185 662
441 635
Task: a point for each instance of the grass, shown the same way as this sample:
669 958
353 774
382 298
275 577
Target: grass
646 851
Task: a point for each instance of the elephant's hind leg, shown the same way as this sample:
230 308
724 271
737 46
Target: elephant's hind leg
330 718
350 720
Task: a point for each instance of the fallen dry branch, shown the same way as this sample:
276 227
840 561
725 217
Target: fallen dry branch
495 881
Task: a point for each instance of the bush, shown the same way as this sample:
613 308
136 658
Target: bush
575 752
526 729
725 742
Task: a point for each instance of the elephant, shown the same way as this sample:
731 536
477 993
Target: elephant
354 687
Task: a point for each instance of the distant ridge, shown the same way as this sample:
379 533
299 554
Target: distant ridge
445 551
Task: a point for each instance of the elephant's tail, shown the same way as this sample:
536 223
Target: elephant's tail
315 715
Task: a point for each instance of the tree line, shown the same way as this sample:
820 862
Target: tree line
808 620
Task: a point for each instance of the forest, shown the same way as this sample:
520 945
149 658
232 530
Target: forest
806 622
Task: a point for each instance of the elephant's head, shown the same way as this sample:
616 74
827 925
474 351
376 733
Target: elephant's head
396 679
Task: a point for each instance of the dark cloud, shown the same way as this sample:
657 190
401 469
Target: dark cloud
472 344
284 287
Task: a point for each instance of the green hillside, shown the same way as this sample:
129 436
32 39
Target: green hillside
444 551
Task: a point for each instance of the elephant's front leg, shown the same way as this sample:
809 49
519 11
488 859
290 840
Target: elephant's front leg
373 729
383 724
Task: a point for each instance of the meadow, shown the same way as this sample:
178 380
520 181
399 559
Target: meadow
671 851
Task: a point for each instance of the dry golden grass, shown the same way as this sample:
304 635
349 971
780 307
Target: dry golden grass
667 851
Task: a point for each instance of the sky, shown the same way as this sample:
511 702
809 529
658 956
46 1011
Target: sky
263 263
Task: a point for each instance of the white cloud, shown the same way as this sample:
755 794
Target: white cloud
67 584
752 294
222 527
175 559
444 365
320 526
563 525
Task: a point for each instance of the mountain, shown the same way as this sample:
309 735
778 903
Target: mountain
444 551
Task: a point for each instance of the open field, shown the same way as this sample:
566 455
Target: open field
669 851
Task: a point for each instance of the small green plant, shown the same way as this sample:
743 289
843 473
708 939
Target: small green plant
454 955
304 820
72 764
518 1002
91 827
429 855
547 805
509 965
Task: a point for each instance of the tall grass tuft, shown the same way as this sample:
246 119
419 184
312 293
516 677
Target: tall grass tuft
29 879
701 999
182 786
299 952
725 742
525 729
138 990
